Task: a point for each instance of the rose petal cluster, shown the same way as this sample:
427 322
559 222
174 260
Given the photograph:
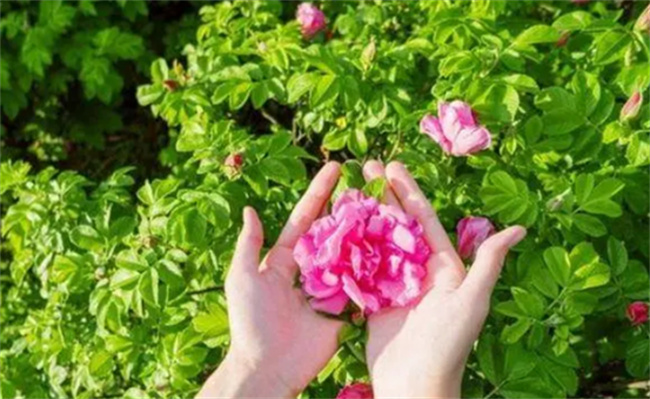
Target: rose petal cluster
455 129
311 19
366 252
637 312
471 232
358 390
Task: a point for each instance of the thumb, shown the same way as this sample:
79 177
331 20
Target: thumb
484 273
246 258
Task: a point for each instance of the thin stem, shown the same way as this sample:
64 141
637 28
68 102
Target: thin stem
206 290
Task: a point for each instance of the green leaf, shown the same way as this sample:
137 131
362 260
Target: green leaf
586 88
522 82
507 197
617 255
610 46
149 94
636 357
275 170
560 121
576 20
519 362
375 188
159 70
86 237
299 84
125 279
56 15
117 44
130 259
557 260
536 34
489 358
357 142
325 91
530 303
554 98
259 95
513 332
499 103
148 287
589 224
239 95
598 201
584 185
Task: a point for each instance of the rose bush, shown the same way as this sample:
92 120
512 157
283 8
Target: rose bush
106 293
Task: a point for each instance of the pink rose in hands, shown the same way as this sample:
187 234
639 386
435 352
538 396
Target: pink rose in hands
637 312
312 20
472 231
371 253
456 130
359 390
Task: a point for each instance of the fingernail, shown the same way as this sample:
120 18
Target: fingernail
517 235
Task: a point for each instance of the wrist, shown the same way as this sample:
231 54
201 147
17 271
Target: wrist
238 377
418 386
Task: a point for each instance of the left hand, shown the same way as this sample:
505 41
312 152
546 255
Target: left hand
278 343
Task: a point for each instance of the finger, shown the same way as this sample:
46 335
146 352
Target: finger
445 268
490 256
416 204
374 170
246 258
310 205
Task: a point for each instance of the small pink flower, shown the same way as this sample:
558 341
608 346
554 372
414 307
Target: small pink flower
312 20
637 312
472 231
643 23
632 106
359 390
455 129
371 253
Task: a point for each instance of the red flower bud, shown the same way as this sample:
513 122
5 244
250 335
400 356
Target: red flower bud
170 84
359 390
637 312
561 42
234 161
631 108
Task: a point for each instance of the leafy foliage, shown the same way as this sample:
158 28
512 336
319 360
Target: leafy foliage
106 293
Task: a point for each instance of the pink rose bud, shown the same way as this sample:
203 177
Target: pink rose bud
311 19
372 254
631 108
637 312
234 160
359 390
562 41
643 23
472 231
456 130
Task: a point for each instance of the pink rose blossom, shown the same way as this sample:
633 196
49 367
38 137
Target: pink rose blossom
234 161
637 312
371 253
632 106
359 390
312 20
472 231
456 130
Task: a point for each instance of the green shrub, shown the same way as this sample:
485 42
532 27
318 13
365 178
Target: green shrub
65 66
109 294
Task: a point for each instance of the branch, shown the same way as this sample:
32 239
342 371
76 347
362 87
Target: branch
206 290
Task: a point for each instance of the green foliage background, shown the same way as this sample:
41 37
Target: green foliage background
113 288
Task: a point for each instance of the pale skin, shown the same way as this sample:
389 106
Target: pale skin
279 344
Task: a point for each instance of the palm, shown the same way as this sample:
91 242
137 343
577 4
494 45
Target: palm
278 323
272 325
437 332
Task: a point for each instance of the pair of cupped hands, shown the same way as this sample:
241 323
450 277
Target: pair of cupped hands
279 344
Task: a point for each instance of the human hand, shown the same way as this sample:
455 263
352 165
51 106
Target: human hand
278 343
421 350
